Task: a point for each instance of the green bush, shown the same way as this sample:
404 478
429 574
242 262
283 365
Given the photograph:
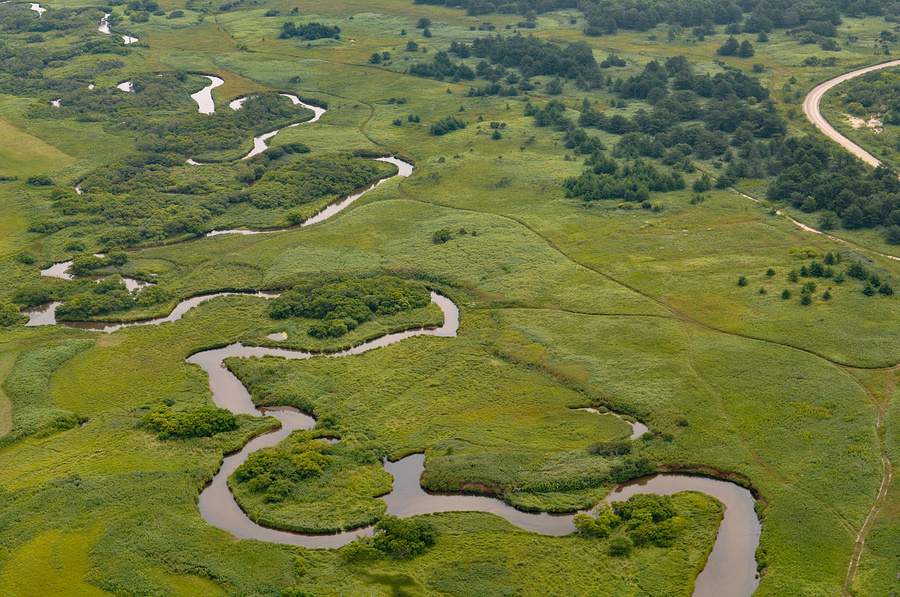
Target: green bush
199 422
614 448
601 526
620 547
446 125
402 537
39 180
345 303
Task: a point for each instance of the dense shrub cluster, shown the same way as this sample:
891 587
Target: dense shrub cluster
446 125
199 422
105 297
871 93
402 537
629 182
308 179
605 17
147 198
812 177
309 31
275 472
342 305
649 519
108 296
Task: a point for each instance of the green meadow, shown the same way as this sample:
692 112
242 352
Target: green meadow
689 311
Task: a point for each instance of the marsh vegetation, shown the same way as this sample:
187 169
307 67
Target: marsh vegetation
574 193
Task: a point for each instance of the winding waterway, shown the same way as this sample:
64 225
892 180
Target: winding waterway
204 99
103 27
730 571
260 143
404 169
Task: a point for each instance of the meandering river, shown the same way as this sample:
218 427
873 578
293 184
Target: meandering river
731 568
730 571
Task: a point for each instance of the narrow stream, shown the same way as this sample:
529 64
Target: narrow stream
46 314
260 143
405 169
103 27
204 99
730 571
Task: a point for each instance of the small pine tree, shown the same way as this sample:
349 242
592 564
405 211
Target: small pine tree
806 299
792 276
785 294
742 281
770 272
826 296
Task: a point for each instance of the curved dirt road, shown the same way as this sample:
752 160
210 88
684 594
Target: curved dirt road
811 109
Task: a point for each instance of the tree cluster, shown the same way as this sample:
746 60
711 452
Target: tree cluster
309 31
446 125
341 305
203 421
276 471
605 17
648 519
631 181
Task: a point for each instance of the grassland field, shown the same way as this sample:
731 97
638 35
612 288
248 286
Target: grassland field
563 304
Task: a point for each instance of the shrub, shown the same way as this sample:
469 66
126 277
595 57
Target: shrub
886 289
308 32
9 315
601 526
614 448
742 281
343 304
39 180
620 547
200 422
402 537
26 257
175 14
446 125
441 236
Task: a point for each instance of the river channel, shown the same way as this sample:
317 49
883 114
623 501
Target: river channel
731 567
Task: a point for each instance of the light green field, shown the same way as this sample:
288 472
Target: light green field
562 306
